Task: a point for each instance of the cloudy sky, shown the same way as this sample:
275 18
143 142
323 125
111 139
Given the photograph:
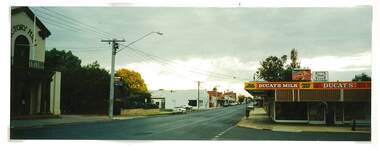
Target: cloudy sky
218 46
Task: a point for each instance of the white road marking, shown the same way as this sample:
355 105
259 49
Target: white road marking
221 133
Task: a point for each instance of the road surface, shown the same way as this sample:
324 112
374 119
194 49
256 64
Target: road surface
216 124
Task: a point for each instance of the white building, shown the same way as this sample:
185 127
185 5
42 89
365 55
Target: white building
174 98
34 89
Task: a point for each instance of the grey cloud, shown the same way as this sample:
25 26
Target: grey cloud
250 34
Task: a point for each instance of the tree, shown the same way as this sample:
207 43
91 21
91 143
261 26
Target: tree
132 79
134 90
271 69
294 59
362 77
61 60
83 89
275 69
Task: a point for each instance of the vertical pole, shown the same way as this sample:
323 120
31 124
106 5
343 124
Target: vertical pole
110 110
112 78
198 94
34 38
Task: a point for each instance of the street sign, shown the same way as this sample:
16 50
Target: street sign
320 76
118 81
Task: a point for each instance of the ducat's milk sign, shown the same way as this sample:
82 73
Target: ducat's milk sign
272 85
306 85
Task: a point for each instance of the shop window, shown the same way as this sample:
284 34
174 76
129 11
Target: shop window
291 111
357 111
316 111
339 112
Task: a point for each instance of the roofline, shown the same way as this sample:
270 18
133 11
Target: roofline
45 31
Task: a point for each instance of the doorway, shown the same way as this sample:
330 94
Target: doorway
20 87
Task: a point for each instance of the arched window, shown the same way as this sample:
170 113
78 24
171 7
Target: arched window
21 52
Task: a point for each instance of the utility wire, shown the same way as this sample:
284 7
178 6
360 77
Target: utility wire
92 29
70 21
77 21
166 63
192 69
58 21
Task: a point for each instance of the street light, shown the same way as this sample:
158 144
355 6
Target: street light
114 52
146 35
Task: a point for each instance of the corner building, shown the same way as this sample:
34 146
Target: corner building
34 89
314 102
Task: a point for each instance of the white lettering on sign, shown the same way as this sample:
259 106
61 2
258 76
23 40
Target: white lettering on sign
278 85
338 85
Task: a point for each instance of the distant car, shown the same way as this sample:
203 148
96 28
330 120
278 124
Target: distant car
179 110
187 107
233 103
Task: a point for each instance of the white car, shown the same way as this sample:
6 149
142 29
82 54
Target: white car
234 103
187 107
179 110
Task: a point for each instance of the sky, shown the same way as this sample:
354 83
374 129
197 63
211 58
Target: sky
221 47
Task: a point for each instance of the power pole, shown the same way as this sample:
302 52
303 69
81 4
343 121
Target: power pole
115 46
199 83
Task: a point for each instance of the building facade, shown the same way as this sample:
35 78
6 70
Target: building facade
314 102
34 89
175 98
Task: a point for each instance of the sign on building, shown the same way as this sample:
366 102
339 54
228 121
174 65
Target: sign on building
305 85
301 75
320 76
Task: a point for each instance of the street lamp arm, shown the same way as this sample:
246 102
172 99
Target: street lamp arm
146 35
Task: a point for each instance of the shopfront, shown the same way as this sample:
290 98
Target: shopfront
316 102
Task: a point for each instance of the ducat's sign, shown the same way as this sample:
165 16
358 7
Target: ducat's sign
342 85
306 85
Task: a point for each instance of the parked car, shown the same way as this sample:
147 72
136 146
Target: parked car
179 110
187 107
234 103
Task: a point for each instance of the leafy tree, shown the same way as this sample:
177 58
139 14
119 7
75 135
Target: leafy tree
61 60
83 89
362 77
271 69
134 91
275 69
132 79
294 59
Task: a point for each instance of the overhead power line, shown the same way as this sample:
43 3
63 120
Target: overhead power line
62 22
187 68
75 21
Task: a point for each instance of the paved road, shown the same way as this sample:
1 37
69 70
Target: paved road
217 124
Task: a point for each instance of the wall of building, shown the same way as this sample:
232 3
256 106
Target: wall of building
55 94
174 98
23 19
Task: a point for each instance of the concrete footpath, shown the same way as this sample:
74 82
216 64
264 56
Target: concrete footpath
65 119
258 119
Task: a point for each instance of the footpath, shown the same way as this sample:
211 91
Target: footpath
259 119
